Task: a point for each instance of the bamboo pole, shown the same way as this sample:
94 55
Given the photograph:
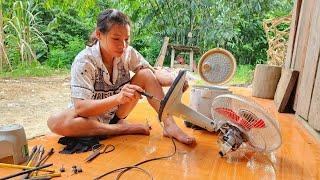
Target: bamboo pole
3 54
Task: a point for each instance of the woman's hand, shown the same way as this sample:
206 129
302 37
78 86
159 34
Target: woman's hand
129 93
185 86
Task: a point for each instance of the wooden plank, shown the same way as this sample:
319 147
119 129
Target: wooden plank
314 112
307 126
293 30
309 71
265 81
172 57
297 158
301 42
163 51
284 89
191 61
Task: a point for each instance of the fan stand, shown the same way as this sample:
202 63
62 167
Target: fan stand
172 105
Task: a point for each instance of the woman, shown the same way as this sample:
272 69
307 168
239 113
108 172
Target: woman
101 89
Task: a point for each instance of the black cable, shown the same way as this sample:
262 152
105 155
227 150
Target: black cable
125 169
132 167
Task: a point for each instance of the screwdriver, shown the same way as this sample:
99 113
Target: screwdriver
149 96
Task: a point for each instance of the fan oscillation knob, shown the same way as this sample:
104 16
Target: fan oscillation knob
206 67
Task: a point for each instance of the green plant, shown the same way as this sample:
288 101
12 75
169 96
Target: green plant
34 69
62 57
244 75
22 30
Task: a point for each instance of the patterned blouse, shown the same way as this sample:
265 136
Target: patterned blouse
90 78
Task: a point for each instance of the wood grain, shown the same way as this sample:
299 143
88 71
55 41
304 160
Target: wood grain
301 42
265 81
285 87
314 112
293 32
310 68
297 158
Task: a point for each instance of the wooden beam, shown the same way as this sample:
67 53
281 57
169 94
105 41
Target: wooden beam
301 42
172 57
185 48
308 76
191 61
293 30
285 87
162 54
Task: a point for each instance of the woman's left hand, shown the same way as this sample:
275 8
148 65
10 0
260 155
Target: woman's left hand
185 86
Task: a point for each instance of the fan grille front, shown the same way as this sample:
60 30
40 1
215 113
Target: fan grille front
260 128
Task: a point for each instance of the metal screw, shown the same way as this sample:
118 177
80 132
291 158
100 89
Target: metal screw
79 169
62 169
74 169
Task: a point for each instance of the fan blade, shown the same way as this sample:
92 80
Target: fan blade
244 123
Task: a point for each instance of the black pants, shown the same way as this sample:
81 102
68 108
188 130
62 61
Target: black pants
114 120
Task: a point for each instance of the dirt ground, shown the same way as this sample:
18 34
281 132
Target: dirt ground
30 101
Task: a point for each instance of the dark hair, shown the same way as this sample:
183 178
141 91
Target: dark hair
105 20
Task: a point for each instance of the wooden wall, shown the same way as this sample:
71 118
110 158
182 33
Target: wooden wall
303 56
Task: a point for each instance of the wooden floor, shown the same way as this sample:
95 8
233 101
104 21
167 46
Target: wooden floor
297 158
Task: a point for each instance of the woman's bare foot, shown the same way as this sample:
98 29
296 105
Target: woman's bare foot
171 129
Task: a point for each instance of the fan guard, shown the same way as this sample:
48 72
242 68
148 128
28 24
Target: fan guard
260 130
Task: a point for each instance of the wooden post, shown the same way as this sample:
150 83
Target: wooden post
265 81
172 57
191 60
162 54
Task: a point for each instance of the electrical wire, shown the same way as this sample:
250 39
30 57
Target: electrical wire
127 168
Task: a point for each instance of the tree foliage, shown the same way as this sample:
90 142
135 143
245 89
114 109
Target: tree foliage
64 26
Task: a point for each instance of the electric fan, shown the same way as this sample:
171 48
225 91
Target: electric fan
238 119
244 121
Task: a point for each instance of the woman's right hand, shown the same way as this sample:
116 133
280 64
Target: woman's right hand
129 93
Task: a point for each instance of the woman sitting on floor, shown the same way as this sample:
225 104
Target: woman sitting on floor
102 92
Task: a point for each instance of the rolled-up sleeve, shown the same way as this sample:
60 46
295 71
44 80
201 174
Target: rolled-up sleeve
136 61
